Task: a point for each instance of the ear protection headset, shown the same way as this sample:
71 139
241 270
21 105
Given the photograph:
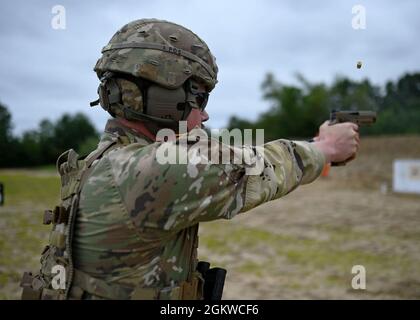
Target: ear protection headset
161 105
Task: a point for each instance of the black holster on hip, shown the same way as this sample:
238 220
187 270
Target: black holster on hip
214 280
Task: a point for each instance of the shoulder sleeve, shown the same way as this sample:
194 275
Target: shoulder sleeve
175 195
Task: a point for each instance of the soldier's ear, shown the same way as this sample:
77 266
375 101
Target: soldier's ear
109 93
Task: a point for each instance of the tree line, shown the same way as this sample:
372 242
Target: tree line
296 111
43 145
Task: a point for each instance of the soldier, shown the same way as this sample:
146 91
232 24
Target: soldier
126 227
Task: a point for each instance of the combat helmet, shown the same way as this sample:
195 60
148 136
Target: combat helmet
166 61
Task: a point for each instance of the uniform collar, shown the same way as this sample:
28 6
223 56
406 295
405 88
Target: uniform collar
125 134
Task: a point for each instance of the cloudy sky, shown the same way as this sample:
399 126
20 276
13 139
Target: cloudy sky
45 72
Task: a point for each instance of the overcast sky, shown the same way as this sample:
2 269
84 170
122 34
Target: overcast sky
45 72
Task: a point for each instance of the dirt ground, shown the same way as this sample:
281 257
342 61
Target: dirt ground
305 245
302 246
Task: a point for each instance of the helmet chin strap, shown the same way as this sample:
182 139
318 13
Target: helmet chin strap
130 114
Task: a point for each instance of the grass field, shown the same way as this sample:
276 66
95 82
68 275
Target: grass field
300 247
27 194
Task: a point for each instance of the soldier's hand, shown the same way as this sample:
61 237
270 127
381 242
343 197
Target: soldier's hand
339 142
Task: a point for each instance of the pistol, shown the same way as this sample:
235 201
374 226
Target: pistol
361 118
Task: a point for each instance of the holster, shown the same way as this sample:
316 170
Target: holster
214 281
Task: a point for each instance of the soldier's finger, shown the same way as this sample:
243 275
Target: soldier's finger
352 157
355 127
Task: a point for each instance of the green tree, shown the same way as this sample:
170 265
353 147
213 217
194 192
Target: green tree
44 144
30 151
72 131
297 111
7 141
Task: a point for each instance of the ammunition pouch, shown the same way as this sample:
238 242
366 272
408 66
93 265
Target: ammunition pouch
34 288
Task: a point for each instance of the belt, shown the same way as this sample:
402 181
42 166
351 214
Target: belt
82 282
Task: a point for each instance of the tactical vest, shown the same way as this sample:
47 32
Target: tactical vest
57 256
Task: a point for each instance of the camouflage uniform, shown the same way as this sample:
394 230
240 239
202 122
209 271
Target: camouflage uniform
135 215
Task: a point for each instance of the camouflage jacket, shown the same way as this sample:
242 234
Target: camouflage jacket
136 215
